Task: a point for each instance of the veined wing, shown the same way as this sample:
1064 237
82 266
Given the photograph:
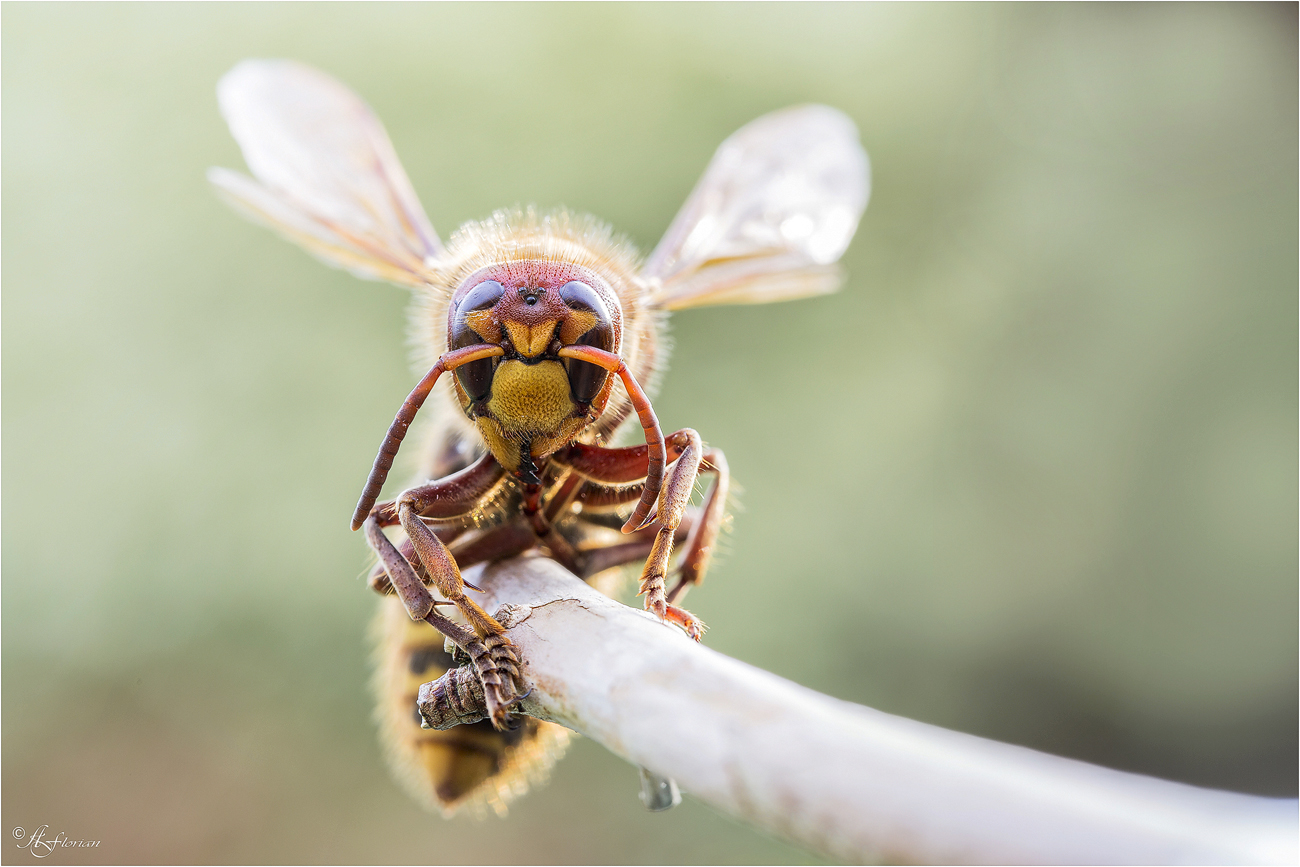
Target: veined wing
327 176
775 209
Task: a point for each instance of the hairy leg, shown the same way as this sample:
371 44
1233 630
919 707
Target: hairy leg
704 533
636 549
485 642
620 466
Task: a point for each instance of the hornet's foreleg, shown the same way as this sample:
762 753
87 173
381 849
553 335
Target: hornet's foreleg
484 641
685 451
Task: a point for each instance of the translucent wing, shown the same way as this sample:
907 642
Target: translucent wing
775 209
327 175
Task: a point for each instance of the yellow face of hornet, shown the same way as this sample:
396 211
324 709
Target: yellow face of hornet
547 326
529 402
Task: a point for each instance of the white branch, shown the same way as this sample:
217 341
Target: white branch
840 778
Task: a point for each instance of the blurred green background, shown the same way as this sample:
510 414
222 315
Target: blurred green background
1031 474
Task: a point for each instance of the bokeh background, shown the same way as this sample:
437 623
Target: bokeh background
1032 474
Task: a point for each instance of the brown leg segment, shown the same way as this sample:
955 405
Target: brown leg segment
560 549
485 642
442 570
492 653
621 466
637 549
654 436
499 543
454 496
415 597
563 496
616 466
379 581
449 497
699 546
493 657
494 661
402 421
704 534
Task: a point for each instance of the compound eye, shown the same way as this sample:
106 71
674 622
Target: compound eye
580 296
597 329
471 320
480 299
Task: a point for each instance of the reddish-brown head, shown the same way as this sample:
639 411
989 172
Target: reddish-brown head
532 309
